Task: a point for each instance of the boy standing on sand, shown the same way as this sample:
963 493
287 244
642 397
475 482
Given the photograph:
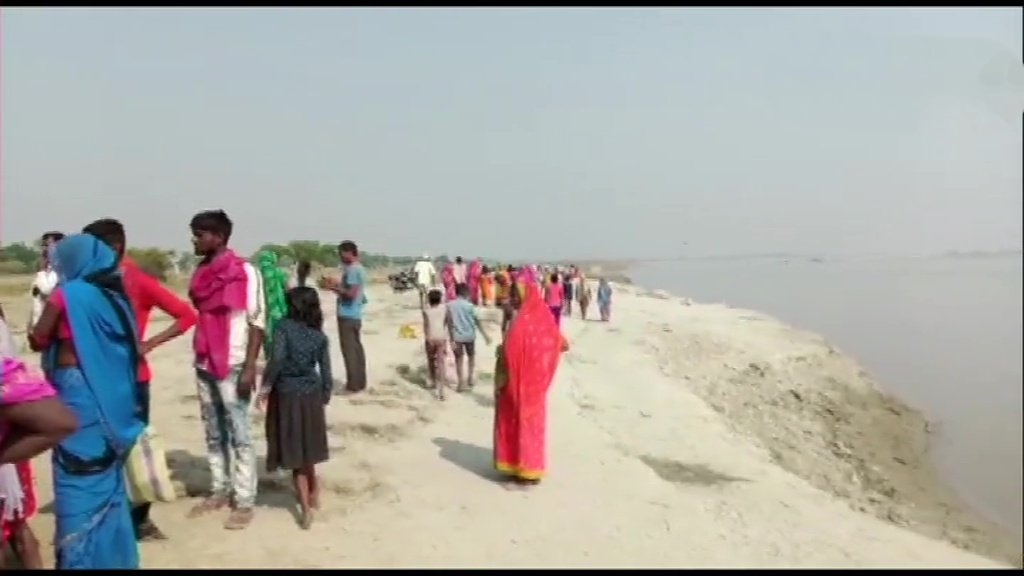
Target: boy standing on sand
436 335
228 296
464 324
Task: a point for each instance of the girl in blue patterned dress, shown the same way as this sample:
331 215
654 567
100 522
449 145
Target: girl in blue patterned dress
297 386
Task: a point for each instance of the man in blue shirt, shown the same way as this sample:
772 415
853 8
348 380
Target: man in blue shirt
464 325
351 299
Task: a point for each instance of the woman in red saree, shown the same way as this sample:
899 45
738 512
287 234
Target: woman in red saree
473 278
527 361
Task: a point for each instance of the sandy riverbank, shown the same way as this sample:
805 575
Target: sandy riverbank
681 435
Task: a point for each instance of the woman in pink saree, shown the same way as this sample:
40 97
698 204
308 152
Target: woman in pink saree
448 281
473 276
526 366
525 278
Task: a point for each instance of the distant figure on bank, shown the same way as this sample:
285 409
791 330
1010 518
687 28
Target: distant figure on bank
487 287
425 274
45 279
227 294
584 294
604 299
568 285
464 324
460 273
436 335
554 296
502 291
448 281
474 274
302 271
526 365
526 276
145 293
297 384
351 291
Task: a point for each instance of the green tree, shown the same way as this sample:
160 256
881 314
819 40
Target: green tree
25 254
154 261
186 262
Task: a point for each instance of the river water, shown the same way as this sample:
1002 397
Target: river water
943 333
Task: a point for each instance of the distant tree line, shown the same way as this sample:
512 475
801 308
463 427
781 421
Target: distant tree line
326 255
22 258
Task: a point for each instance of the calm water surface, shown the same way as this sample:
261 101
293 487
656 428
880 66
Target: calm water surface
944 334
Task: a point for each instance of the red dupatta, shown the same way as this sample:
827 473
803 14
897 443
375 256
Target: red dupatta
531 351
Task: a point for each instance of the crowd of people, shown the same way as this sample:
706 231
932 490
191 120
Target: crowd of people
561 287
533 300
89 402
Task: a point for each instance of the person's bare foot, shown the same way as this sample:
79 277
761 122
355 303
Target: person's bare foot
27 548
239 519
209 504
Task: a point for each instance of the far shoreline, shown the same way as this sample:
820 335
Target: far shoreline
930 505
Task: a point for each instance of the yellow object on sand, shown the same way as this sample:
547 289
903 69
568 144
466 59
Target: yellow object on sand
408 332
147 474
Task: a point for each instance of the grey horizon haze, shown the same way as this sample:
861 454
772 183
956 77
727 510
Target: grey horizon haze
541 132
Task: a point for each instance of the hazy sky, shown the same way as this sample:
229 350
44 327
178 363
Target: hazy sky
521 131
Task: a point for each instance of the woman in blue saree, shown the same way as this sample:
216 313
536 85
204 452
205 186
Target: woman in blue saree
88 336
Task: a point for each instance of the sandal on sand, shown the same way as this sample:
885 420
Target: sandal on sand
209 504
239 519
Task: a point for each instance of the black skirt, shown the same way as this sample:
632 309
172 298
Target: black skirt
296 429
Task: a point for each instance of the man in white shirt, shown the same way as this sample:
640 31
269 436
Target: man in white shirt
226 371
426 276
45 280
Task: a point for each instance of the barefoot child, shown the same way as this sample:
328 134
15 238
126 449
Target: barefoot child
296 387
436 335
463 324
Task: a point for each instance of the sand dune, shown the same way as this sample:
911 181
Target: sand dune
681 436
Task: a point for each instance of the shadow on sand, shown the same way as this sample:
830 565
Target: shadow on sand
470 457
192 472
